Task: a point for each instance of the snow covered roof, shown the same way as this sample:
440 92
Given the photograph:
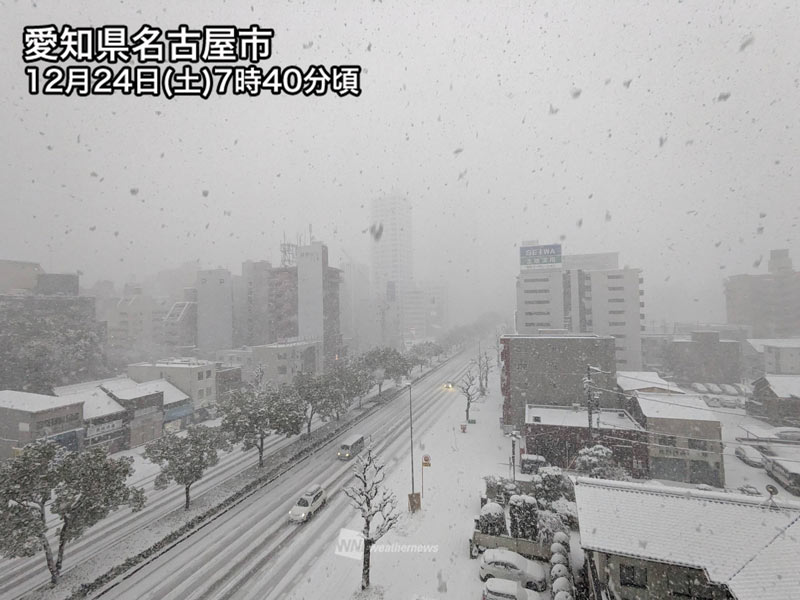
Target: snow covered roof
629 381
567 416
730 536
176 362
127 389
96 403
758 344
124 388
33 402
773 572
784 386
669 406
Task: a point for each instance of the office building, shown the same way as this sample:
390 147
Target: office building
769 303
586 293
214 310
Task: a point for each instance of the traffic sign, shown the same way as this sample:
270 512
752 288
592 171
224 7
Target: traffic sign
426 460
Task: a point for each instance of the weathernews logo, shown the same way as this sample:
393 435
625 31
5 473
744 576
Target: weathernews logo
350 544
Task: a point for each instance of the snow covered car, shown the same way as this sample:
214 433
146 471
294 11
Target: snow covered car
787 433
504 589
308 504
505 564
749 455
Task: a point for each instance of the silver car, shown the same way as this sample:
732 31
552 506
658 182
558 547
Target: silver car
505 564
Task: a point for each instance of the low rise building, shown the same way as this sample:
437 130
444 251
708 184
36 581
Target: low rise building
644 381
194 377
26 417
704 357
550 369
778 356
558 433
104 420
685 438
777 398
280 361
647 542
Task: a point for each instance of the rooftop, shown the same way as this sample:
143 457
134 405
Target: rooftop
175 362
124 388
689 407
784 386
567 416
726 535
758 344
96 403
630 381
33 402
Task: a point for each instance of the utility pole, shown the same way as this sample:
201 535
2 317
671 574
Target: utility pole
411 426
588 385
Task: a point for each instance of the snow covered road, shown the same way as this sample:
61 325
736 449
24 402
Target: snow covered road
252 550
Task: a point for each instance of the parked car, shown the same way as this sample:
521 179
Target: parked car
712 401
308 504
504 589
729 402
505 564
787 433
749 455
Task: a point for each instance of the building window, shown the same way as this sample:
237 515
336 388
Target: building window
616 299
616 312
208 374
698 444
617 324
282 370
666 440
615 276
201 393
199 376
631 576
615 288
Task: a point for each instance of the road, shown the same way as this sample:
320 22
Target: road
20 576
252 551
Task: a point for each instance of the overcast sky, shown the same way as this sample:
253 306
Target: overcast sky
666 131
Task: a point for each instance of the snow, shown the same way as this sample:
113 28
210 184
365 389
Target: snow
784 386
28 402
678 526
669 406
451 499
570 417
96 403
758 344
629 381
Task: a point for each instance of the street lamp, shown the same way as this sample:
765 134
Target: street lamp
411 427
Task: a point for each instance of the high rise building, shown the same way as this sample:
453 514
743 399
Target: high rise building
318 299
392 264
359 319
214 310
769 303
585 293
251 304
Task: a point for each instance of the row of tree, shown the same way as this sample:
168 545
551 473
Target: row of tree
82 488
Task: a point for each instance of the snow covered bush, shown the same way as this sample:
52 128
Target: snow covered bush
550 484
567 511
548 524
492 520
598 461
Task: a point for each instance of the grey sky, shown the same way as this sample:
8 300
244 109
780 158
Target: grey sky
683 171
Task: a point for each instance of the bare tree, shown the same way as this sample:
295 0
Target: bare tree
373 499
484 368
468 389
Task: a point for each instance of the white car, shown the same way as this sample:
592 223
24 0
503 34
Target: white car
308 504
505 564
749 455
504 589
